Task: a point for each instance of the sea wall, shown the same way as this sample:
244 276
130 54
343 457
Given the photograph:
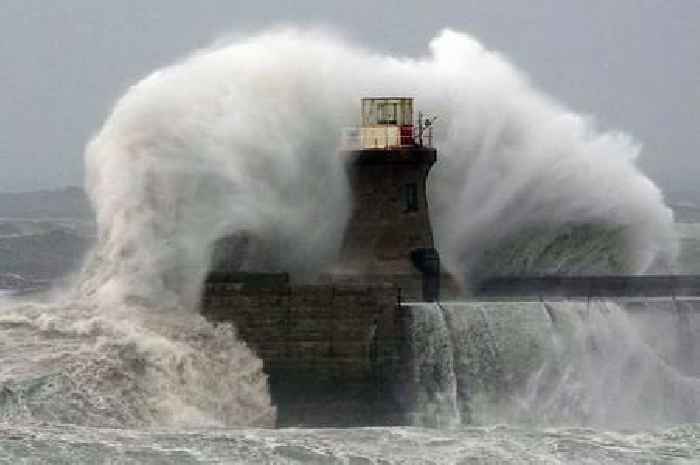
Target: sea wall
335 355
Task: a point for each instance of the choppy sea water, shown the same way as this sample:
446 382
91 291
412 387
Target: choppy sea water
39 436
63 444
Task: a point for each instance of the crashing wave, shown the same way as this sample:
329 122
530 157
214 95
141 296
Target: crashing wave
241 139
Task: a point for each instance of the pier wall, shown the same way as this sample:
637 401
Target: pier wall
339 354
333 354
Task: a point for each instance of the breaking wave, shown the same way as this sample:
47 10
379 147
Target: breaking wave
241 139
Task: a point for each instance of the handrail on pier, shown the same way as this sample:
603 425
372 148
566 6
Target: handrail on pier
678 286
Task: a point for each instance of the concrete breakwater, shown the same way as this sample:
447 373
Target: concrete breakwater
351 355
334 355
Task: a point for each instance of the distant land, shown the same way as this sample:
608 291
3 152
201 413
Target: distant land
68 202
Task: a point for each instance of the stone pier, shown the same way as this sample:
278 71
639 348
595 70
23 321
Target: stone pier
335 355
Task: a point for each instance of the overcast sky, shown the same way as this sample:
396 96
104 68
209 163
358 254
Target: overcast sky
634 64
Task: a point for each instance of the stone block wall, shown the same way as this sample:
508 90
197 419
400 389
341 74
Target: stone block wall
384 226
333 354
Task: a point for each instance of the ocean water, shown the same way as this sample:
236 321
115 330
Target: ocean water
502 383
500 444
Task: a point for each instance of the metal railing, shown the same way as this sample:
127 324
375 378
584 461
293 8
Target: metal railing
591 286
384 137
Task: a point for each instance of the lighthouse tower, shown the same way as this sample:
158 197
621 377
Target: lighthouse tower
389 238
335 350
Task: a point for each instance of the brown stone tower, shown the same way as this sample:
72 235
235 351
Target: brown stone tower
389 238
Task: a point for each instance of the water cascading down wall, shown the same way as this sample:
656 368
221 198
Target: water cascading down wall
596 363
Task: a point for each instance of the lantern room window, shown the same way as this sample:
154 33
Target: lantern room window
386 113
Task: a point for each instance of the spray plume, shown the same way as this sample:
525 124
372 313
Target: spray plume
243 138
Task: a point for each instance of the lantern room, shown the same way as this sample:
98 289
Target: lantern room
396 111
386 122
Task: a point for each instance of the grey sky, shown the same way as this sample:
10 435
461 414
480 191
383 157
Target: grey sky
635 65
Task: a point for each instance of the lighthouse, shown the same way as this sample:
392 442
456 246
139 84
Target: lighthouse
388 238
335 350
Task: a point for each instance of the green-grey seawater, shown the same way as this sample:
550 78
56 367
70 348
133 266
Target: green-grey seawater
69 445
